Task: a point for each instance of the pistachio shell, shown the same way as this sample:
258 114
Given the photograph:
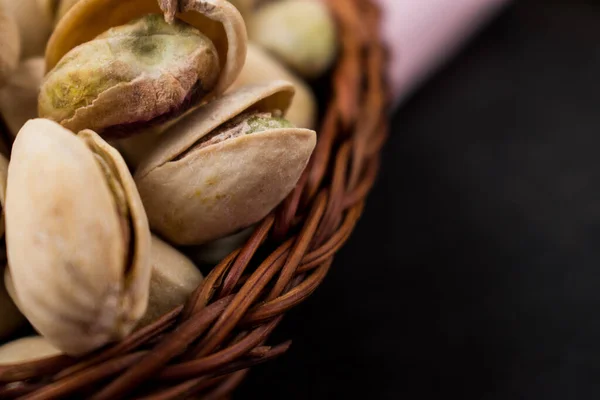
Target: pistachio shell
63 7
130 76
19 97
174 278
262 67
217 19
195 195
49 8
77 237
301 33
27 349
12 319
34 25
214 252
10 44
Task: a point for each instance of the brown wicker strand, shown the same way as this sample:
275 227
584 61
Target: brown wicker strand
205 348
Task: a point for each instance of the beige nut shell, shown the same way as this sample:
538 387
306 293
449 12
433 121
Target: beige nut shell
65 253
34 25
10 44
19 97
219 20
27 349
174 278
220 189
261 67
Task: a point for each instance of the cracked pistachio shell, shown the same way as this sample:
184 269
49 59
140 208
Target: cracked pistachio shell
18 98
129 77
220 21
33 24
77 238
261 67
10 44
301 33
174 278
195 195
28 349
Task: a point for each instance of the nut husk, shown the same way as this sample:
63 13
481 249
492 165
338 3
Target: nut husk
220 21
130 76
10 44
301 33
19 97
27 349
261 67
33 23
174 278
77 238
197 187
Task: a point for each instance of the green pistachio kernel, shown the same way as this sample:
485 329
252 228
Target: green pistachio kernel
129 77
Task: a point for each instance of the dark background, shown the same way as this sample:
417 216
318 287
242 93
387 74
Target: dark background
479 248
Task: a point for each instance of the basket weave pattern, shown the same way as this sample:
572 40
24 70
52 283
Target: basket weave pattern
206 347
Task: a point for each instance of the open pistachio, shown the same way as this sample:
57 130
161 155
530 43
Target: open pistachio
302 33
77 237
10 44
117 67
136 73
33 24
261 67
27 349
225 166
19 97
174 278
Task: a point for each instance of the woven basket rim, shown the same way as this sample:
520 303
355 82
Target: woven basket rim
207 346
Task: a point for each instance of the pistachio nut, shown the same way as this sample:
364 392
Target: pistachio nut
214 252
10 44
28 349
137 73
77 237
174 278
225 166
262 67
63 7
33 23
19 97
12 319
115 68
301 33
49 8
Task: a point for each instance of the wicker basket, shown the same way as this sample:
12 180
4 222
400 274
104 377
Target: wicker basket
205 348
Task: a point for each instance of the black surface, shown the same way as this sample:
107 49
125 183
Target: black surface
480 244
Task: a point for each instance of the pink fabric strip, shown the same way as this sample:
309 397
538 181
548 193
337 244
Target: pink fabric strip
422 34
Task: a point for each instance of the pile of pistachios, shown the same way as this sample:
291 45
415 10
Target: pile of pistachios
144 139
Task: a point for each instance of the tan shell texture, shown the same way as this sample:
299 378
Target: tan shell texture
74 277
261 67
174 278
217 190
27 349
10 44
219 20
19 97
34 25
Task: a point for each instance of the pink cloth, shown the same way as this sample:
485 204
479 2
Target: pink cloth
422 34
